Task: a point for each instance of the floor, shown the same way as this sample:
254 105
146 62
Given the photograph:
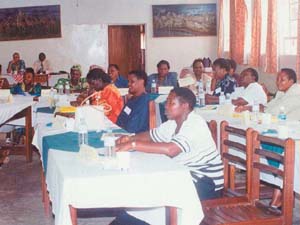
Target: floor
21 198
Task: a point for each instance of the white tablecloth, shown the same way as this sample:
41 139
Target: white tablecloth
152 181
8 110
294 133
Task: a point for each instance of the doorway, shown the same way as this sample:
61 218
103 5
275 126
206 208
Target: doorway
126 47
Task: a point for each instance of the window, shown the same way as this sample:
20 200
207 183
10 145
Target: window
286 26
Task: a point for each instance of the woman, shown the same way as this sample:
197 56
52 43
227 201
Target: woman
114 73
27 85
102 91
195 150
76 82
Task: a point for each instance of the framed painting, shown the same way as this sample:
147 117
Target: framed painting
30 23
184 20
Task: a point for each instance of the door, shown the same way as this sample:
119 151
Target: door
125 47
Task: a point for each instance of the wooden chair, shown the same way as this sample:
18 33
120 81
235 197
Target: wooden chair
42 79
152 114
251 210
229 141
232 162
212 125
4 83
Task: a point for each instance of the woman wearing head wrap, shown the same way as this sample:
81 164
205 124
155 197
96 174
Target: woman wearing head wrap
76 82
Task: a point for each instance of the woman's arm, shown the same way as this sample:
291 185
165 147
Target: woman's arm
169 149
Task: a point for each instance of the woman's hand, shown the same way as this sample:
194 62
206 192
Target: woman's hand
124 147
123 139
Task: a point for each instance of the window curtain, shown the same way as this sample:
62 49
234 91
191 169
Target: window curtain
238 17
220 30
298 45
256 34
271 46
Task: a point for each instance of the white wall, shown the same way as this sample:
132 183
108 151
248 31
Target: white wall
84 35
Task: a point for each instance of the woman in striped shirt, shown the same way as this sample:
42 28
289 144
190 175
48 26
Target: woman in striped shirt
186 138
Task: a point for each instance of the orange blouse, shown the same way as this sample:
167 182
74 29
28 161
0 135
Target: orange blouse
111 96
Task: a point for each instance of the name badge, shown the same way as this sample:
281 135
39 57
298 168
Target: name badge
218 90
127 110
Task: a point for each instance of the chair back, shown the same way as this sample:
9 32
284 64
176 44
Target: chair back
285 170
212 125
236 146
42 79
152 114
4 83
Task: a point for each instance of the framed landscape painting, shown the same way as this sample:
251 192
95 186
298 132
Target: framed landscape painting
184 20
30 23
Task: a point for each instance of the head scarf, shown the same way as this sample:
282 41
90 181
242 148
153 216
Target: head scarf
76 67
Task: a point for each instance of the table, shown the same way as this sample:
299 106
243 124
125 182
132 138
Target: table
70 180
294 133
16 110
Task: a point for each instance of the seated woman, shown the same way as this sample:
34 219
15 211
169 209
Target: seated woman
102 91
76 82
251 91
287 96
186 139
224 82
27 85
114 73
135 115
163 77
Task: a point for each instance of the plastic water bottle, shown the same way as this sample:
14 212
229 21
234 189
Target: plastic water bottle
282 115
222 98
201 94
52 100
82 132
153 86
208 86
255 111
67 88
60 88
227 98
109 144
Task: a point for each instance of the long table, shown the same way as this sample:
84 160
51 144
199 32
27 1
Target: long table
294 133
16 110
152 181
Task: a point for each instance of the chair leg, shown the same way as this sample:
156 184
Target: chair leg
45 195
73 213
172 215
232 177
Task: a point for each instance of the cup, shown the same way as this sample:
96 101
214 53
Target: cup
123 160
266 118
283 131
109 144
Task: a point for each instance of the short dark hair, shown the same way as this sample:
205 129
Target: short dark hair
42 54
197 61
290 73
163 62
98 74
232 64
140 75
185 95
114 65
29 70
253 73
222 63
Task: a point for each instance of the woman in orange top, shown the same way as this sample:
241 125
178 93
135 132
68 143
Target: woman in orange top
100 82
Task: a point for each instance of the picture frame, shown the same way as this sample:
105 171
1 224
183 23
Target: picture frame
182 20
35 22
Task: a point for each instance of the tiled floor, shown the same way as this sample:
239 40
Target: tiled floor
21 200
